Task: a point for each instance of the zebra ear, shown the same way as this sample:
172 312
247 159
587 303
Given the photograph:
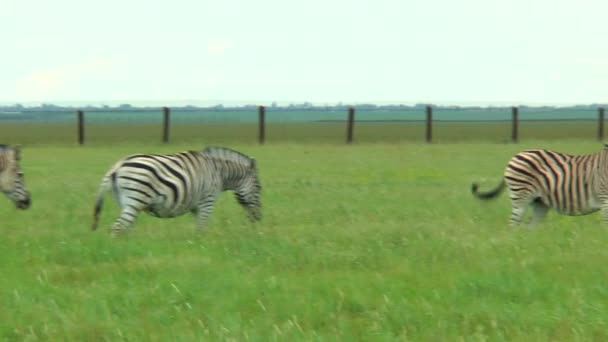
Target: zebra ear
252 164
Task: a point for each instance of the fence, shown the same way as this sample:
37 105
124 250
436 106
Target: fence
439 124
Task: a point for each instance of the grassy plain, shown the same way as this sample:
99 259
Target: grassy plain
302 133
377 241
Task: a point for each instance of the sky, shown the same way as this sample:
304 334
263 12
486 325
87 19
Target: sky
321 51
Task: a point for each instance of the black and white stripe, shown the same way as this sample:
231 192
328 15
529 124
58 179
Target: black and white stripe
171 185
543 179
12 182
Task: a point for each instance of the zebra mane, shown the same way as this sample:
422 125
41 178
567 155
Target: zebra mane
4 148
227 154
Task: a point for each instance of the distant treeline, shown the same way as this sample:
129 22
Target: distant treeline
291 107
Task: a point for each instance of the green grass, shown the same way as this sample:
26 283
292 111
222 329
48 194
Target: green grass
307 133
363 242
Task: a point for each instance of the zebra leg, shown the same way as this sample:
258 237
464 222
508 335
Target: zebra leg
203 212
520 200
131 205
518 209
517 213
605 212
251 206
125 220
253 213
540 211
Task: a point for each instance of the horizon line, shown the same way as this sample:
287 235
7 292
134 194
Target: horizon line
268 103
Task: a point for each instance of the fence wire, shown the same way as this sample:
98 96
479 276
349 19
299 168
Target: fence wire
297 126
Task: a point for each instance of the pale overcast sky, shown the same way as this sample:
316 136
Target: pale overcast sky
438 51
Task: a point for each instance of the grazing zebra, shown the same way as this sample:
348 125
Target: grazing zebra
171 185
570 184
11 176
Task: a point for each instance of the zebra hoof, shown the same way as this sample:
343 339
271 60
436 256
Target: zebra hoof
474 187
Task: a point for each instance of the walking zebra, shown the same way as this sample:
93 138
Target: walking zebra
11 176
570 184
173 184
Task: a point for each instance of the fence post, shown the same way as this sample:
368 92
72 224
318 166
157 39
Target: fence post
600 124
350 125
80 115
166 114
429 124
515 119
262 122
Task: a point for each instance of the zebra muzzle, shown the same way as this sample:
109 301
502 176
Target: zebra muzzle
23 203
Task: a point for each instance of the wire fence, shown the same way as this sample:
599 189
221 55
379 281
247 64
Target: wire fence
269 125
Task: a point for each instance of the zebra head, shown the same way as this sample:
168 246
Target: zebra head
11 176
248 193
240 174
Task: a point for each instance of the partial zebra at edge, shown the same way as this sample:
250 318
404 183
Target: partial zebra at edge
12 180
543 179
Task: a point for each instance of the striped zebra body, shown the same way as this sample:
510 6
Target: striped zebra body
175 184
12 182
543 179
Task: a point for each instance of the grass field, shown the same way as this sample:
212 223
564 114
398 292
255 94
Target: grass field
379 241
302 133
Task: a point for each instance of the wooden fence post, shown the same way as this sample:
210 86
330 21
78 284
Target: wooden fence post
80 115
429 124
350 125
166 114
600 124
262 122
515 120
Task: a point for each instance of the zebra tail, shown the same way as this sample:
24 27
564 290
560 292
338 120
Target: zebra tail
489 194
107 183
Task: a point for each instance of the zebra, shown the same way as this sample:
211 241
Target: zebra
543 179
170 185
12 182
